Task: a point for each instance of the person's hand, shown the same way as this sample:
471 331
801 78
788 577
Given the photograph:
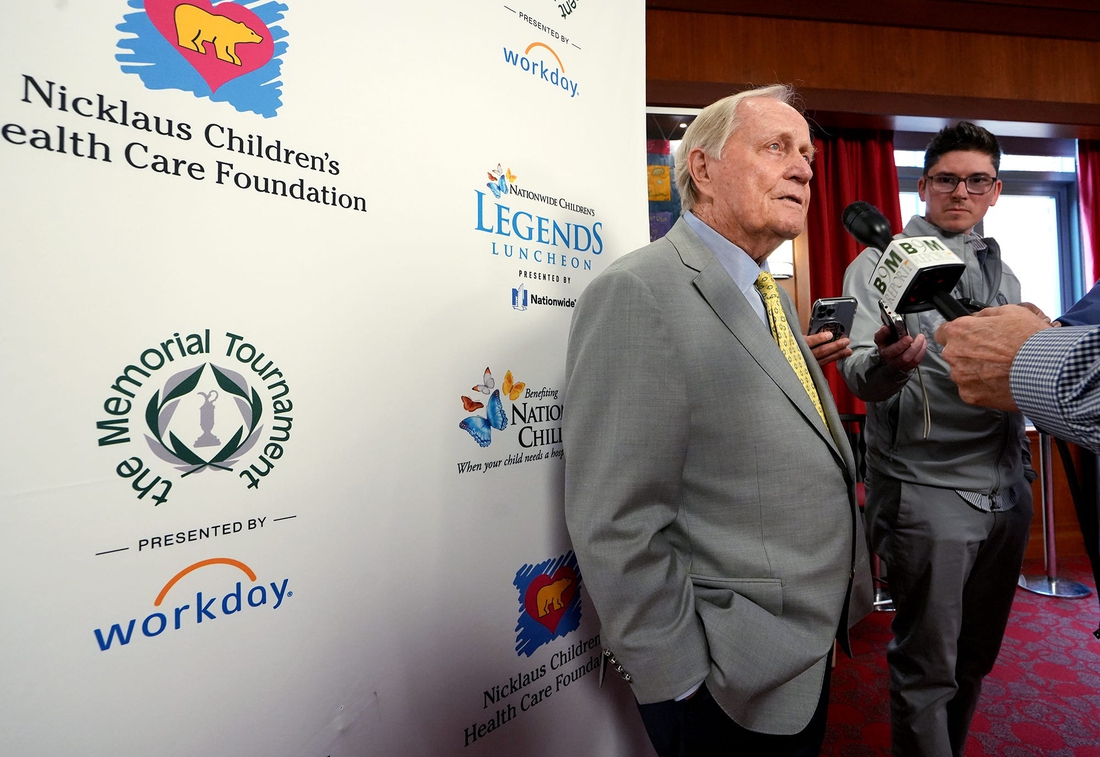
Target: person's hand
903 355
1037 311
980 350
826 351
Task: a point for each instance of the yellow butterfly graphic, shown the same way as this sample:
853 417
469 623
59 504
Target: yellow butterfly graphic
512 389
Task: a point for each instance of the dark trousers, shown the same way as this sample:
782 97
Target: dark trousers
697 727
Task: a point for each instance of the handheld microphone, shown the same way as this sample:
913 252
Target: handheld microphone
915 273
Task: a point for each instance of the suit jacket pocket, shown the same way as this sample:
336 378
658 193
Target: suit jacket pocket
767 593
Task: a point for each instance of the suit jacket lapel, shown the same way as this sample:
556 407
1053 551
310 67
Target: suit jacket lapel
715 285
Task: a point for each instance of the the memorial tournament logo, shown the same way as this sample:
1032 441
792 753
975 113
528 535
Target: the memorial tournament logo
160 414
230 52
565 7
549 602
190 407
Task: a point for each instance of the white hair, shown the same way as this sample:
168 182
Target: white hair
712 128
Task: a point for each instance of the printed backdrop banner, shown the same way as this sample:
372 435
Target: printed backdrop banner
284 302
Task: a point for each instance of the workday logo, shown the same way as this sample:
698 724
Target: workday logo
180 613
549 602
227 52
541 62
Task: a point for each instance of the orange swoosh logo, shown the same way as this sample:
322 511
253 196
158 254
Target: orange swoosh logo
533 45
202 564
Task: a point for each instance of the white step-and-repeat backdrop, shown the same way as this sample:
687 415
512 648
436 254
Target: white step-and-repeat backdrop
284 301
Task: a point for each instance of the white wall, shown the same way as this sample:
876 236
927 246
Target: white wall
381 589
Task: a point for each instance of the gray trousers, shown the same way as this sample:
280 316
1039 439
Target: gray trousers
952 571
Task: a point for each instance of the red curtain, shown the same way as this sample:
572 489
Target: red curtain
1088 185
849 165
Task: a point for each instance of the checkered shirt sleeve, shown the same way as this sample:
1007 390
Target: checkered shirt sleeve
1055 380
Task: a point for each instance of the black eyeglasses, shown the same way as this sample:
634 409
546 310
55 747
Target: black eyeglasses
978 184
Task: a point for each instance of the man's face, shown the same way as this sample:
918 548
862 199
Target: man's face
959 211
758 193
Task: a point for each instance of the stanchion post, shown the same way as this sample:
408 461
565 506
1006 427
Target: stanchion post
1050 585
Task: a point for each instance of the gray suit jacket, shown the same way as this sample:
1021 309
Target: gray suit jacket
712 512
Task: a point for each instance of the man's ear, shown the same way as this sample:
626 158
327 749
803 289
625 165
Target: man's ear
996 193
698 168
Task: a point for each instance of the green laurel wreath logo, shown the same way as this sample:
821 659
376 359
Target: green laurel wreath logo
159 412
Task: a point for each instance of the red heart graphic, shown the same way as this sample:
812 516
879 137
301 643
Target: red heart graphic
548 596
220 44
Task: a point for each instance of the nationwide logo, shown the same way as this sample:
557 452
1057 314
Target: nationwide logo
537 238
228 52
549 602
230 599
541 62
204 413
521 298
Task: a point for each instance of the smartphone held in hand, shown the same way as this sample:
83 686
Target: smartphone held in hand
833 314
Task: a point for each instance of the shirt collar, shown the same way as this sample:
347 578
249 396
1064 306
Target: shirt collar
741 268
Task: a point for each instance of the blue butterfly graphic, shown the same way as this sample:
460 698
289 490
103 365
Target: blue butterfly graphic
481 428
498 185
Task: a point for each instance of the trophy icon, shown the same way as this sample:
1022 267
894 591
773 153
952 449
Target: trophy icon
206 420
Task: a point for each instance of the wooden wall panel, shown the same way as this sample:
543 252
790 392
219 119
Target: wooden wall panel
694 58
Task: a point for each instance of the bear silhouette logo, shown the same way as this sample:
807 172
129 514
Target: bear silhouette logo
194 27
549 599
196 46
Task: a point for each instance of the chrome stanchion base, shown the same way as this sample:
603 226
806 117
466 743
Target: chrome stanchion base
1055 587
883 601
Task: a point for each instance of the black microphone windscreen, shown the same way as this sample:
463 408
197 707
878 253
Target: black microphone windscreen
867 224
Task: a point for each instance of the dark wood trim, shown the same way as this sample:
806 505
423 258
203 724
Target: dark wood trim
1056 19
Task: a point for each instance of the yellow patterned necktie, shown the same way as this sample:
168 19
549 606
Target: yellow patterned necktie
781 332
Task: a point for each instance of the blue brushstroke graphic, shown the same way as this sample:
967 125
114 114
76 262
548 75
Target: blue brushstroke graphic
160 66
530 634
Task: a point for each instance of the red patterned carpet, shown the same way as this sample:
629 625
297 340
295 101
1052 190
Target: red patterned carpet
1042 698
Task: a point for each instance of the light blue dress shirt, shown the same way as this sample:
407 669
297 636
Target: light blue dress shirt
741 268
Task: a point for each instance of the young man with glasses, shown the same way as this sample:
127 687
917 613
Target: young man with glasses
948 494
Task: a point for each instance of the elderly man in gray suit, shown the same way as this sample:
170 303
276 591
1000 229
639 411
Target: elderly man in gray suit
709 486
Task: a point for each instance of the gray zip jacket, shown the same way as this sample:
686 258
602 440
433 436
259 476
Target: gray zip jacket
966 448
